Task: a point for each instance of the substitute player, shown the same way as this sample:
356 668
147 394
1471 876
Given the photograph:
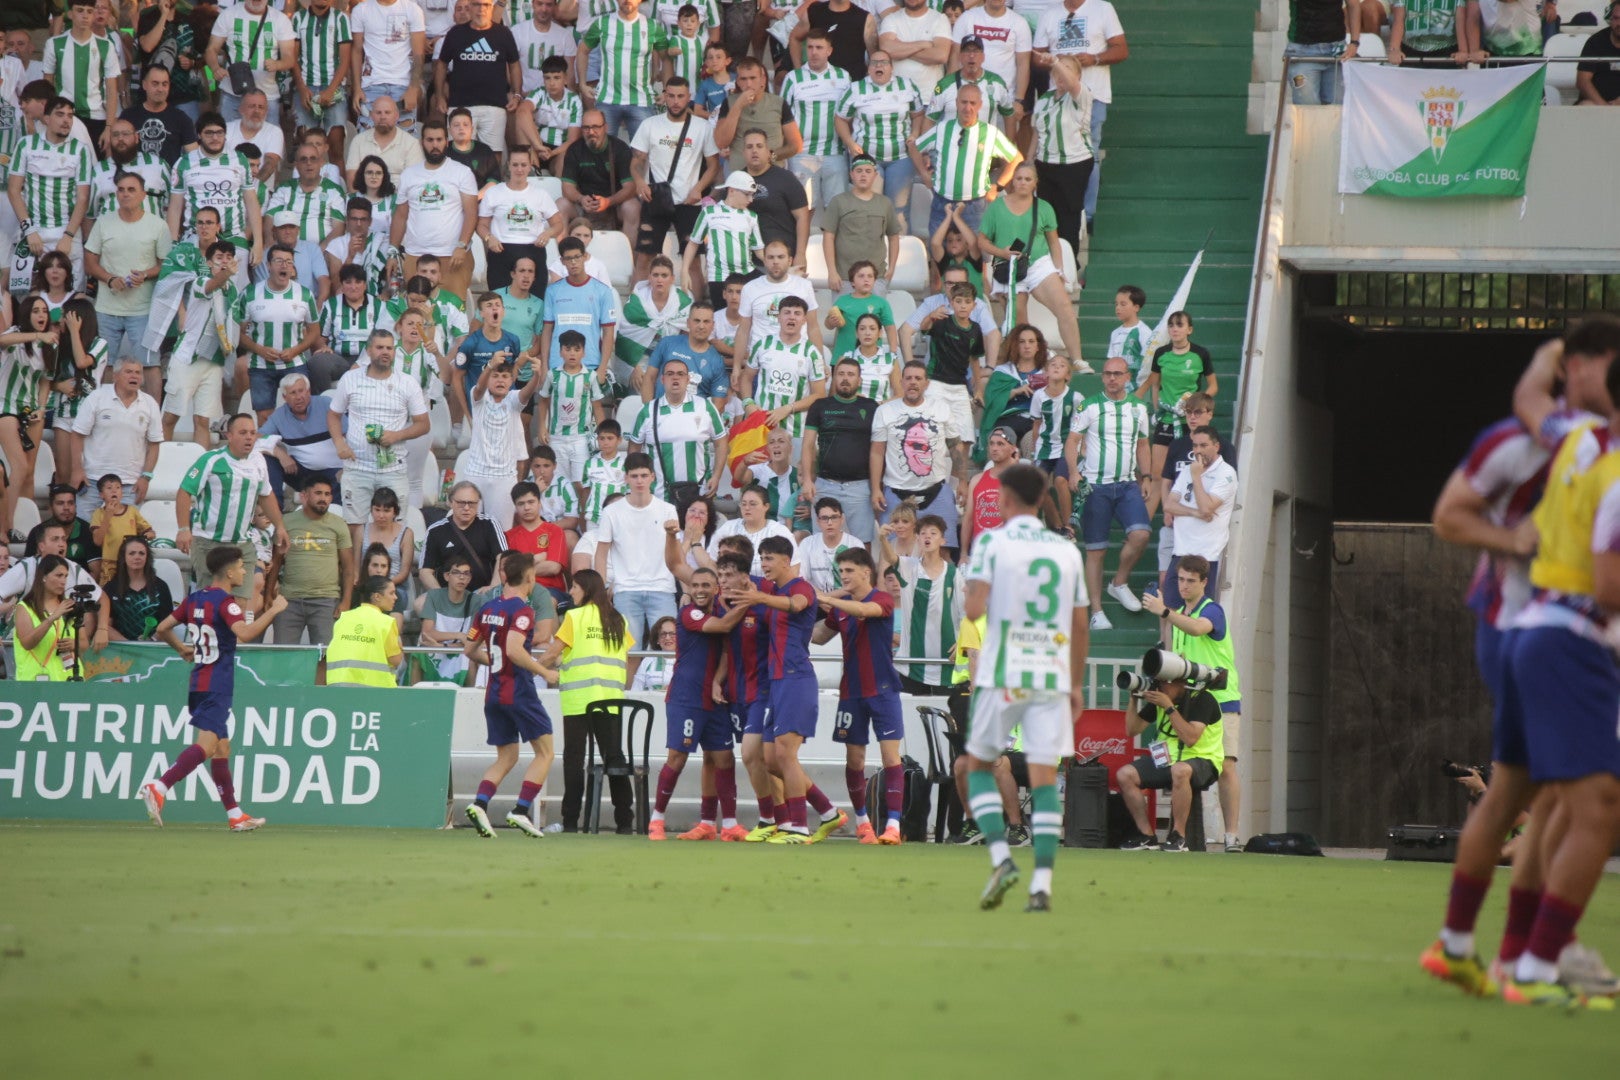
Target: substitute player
502 636
216 622
869 695
695 717
1030 583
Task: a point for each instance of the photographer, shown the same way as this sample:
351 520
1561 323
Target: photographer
1186 755
23 575
44 642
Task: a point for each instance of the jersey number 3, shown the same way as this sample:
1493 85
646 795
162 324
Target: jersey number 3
1045 607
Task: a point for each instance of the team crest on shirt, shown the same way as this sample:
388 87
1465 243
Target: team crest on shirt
519 214
432 194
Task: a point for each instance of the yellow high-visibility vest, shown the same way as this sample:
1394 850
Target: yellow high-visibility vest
590 671
362 641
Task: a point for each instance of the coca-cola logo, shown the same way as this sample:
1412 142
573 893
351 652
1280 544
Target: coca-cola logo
1089 747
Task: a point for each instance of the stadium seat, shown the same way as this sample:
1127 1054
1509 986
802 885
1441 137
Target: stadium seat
44 470
1044 321
169 572
816 262
551 185
623 713
613 248
911 272
824 303
415 522
160 513
26 517
432 478
903 303
1372 47
480 272
628 410
1561 77
439 417
174 458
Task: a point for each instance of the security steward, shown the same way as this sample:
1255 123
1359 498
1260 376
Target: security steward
1186 758
365 649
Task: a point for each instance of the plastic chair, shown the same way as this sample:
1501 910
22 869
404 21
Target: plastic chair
945 743
551 185
44 470
24 520
174 459
902 303
168 571
613 248
1561 77
816 263
911 269
625 711
1071 269
160 513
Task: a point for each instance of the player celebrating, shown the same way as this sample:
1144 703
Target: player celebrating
695 717
747 677
869 696
502 637
790 718
1029 582
216 623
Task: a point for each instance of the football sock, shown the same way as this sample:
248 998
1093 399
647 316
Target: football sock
221 770
1048 824
823 805
526 796
1521 916
486 792
1555 927
1462 910
855 783
666 789
797 815
1040 880
984 802
725 788
710 808
767 810
894 790
191 757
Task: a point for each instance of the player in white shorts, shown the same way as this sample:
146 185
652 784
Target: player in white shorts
1030 582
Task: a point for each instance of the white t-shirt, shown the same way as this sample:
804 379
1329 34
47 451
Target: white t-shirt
387 29
236 25
1194 536
915 454
760 298
1004 36
818 563
930 26
434 223
1084 30
117 434
497 435
534 45
636 537
20 578
736 527
268 139
656 138
516 217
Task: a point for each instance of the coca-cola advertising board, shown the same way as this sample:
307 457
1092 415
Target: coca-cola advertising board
1100 734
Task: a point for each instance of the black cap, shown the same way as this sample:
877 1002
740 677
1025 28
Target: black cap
972 41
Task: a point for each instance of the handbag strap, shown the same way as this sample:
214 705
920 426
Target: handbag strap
680 144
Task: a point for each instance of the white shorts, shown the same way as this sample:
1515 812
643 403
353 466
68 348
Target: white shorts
195 389
1231 723
960 402
1039 270
359 485
496 492
1048 724
572 452
489 123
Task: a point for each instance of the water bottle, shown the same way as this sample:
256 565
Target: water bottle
554 827
449 482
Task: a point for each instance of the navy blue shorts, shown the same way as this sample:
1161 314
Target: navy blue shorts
859 718
1559 707
264 382
793 708
519 722
1107 502
1054 467
1490 657
210 711
690 727
747 718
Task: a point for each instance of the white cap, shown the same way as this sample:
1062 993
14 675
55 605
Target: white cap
284 217
740 181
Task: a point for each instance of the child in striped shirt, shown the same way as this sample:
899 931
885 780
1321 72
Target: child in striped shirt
687 44
731 232
1053 408
570 407
604 472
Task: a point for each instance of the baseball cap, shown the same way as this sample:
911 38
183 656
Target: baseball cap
972 41
1004 432
740 181
284 217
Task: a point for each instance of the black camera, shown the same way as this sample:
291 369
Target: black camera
84 601
1457 772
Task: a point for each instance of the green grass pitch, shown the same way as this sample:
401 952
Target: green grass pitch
126 951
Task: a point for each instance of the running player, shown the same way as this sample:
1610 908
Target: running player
216 623
1030 583
696 717
869 695
790 718
502 636
747 678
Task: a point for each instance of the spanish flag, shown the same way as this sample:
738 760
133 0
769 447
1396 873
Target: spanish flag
748 434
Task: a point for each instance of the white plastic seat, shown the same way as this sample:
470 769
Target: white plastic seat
169 572
1561 77
1372 47
160 513
1071 269
26 517
174 460
480 274
816 262
439 418
551 185
44 470
432 478
903 304
613 248
911 270
628 410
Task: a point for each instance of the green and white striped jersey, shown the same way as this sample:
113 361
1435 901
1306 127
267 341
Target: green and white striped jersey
814 98
781 492
930 611
1036 585
373 258
1056 414
52 174
875 371
604 478
420 367
996 95
667 13
571 396
1430 24
9 137
627 50
278 318
22 374
554 118
221 182
732 235
346 328
319 37
104 192
880 116
962 157
645 324
536 46
66 406
559 500
785 374
684 449
1063 128
226 489
81 71
1112 430
319 210
689 55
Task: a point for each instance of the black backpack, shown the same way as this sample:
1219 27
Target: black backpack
915 803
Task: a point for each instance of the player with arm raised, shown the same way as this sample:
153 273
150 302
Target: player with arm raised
217 622
502 636
1030 583
745 686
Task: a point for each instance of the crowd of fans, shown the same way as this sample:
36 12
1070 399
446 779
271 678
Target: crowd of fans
281 208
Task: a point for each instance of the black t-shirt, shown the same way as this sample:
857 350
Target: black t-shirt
843 437
1605 76
598 172
952 350
136 613
475 63
847 30
1180 455
484 162
777 193
1316 22
80 548
1195 707
164 133
481 541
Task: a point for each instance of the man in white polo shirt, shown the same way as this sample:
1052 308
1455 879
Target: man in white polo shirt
385 410
122 430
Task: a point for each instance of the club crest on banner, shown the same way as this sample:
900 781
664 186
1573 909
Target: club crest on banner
1441 108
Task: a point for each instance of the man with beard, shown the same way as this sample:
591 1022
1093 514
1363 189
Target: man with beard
437 211
163 128
124 154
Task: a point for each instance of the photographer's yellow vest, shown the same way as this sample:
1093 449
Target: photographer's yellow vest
1209 652
42 660
1210 745
358 655
590 670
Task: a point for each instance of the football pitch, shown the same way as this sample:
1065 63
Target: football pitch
128 951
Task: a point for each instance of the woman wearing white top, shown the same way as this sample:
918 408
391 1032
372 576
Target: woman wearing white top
654 672
515 219
371 179
753 524
23 363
